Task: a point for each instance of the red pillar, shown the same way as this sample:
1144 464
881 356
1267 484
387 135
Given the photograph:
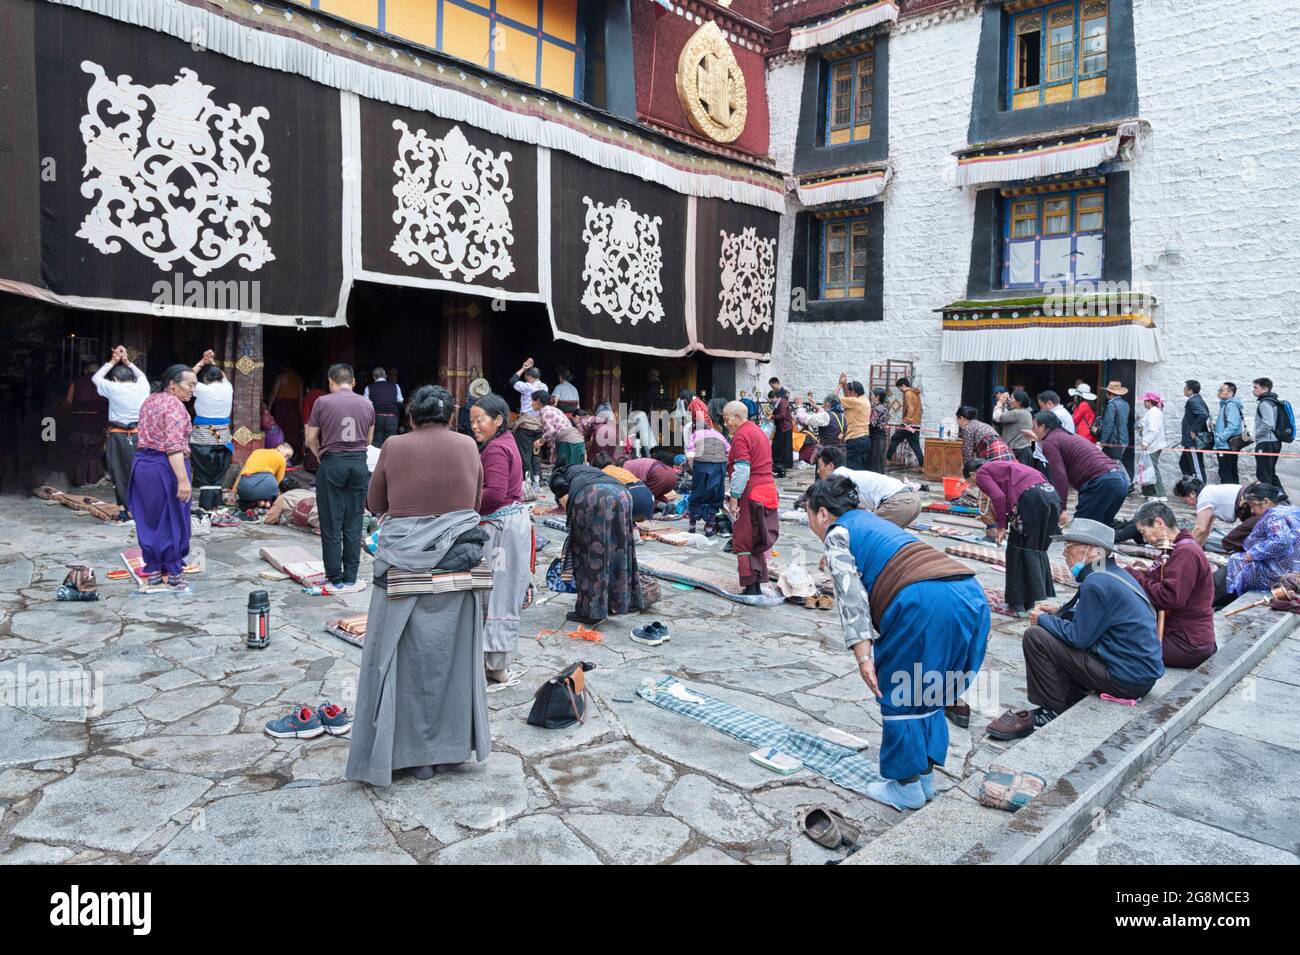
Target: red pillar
461 346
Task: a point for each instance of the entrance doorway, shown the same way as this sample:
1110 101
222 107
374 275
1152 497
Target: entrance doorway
1038 376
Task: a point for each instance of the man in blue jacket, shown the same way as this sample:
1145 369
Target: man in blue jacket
1228 425
1103 641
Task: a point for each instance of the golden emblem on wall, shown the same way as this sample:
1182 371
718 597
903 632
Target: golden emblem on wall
711 86
245 365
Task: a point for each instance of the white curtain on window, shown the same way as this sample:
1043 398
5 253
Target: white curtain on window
1054 260
1021 271
1087 264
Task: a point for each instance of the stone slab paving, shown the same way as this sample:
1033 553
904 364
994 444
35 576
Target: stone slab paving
171 764
1225 793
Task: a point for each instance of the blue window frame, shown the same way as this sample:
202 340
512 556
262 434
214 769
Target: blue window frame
1058 52
1055 237
850 91
844 257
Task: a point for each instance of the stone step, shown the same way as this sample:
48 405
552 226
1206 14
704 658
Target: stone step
1081 744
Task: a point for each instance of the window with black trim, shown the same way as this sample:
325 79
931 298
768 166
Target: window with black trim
1058 52
844 257
850 94
1053 237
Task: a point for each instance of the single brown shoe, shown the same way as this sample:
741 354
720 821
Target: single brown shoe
958 713
1013 724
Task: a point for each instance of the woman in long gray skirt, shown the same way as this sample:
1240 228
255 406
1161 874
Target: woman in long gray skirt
421 697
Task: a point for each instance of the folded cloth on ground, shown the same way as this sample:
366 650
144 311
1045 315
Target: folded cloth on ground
664 533
723 584
846 767
350 629
1004 789
556 524
295 561
546 510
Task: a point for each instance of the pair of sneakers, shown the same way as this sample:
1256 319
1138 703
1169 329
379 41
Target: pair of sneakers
306 723
652 634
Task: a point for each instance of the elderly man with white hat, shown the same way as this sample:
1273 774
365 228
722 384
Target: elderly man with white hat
1103 641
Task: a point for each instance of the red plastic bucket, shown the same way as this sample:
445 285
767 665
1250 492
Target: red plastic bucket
953 487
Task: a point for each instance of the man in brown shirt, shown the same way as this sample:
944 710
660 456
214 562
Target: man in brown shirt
341 427
911 429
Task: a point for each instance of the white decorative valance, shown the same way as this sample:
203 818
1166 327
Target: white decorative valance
517 117
1017 163
1049 339
852 187
828 31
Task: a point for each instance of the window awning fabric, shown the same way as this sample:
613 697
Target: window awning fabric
1022 337
864 185
1016 162
827 31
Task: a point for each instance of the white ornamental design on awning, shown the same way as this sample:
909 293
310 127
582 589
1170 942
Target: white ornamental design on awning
623 263
176 177
452 205
748 266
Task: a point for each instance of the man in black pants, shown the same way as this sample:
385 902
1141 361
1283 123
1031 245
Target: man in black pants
911 428
1267 443
386 396
341 426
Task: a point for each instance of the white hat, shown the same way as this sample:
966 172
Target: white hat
796 582
1084 392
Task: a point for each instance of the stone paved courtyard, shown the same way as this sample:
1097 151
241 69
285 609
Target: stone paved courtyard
176 767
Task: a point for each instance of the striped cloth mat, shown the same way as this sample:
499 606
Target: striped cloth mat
991 555
846 767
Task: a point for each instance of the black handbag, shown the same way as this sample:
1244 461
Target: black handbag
562 700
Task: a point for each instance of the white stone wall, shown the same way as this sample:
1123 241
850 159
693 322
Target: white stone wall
928 223
1219 177
1219 82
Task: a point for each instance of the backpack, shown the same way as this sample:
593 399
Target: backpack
1284 427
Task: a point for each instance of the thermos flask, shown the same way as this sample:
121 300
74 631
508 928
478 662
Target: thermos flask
259 620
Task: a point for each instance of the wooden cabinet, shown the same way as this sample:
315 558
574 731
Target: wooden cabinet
942 458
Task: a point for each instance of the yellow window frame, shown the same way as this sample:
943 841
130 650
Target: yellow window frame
1089 203
1062 207
1024 211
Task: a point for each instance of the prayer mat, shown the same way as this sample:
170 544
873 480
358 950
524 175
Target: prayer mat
959 520
716 582
950 532
843 766
664 533
296 562
350 629
991 555
998 601
943 507
1138 550
81 504
133 557
546 510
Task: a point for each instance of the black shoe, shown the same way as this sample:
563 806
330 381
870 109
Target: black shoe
752 590
574 617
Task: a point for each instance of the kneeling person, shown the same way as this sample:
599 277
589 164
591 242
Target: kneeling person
260 478
886 497
1181 584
